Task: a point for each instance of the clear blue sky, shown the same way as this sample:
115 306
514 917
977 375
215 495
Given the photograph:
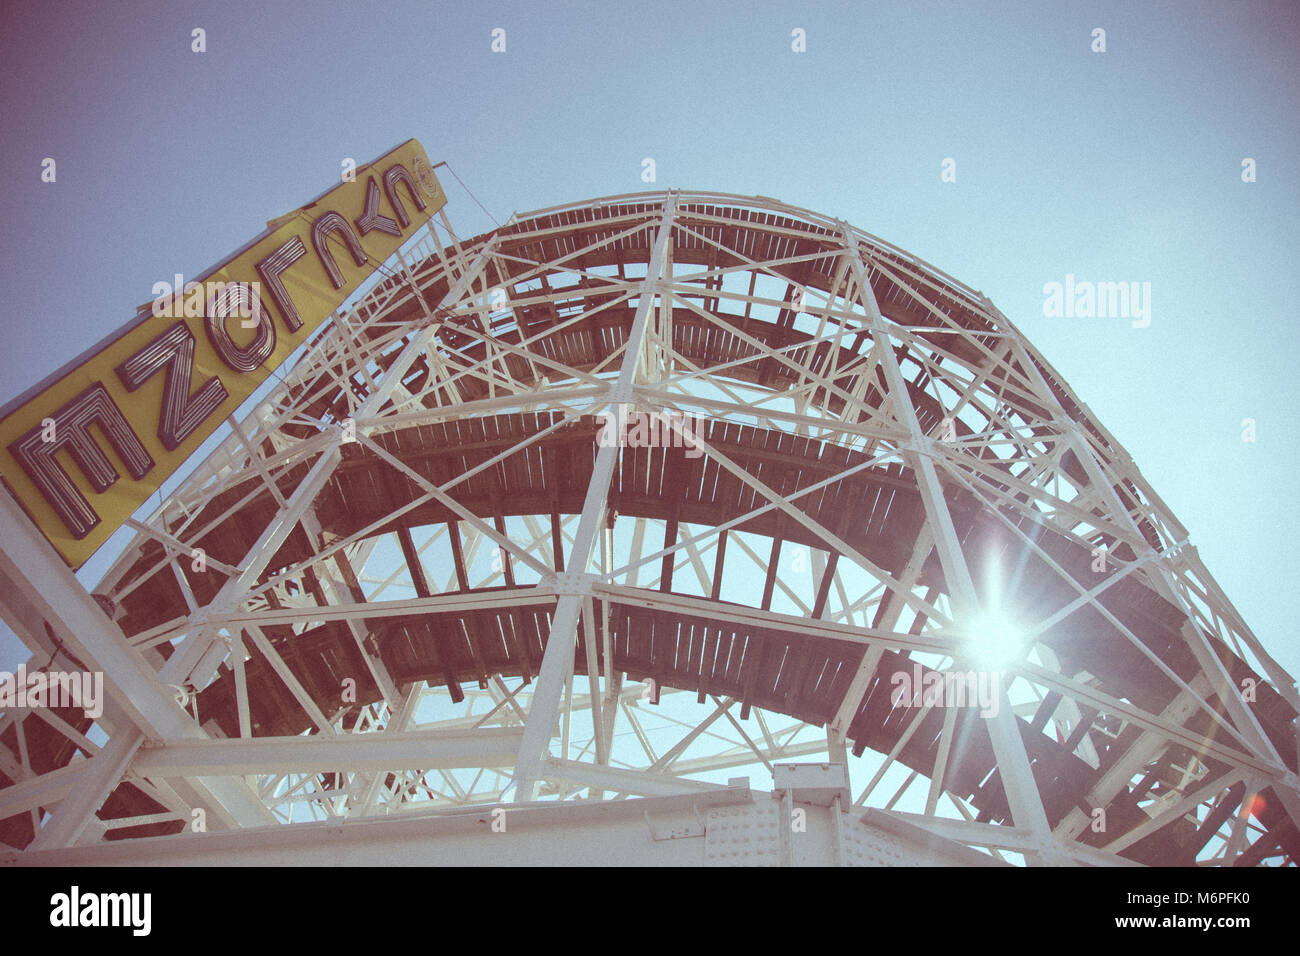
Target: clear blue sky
1123 165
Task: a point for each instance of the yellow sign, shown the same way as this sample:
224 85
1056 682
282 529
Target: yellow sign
84 449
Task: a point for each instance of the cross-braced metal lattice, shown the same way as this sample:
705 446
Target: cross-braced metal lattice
428 579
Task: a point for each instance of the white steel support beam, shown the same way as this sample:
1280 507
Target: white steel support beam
52 589
1013 762
43 791
556 661
97 781
621 781
364 752
957 576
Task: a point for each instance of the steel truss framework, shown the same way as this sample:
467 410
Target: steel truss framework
412 579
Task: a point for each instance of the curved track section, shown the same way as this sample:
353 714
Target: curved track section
854 517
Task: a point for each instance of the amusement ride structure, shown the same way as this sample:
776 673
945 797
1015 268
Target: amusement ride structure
671 527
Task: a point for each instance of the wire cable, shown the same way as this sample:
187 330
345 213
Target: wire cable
467 190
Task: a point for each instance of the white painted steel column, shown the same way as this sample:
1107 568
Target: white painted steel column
545 707
1013 762
55 593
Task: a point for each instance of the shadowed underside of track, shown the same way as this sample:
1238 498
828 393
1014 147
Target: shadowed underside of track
877 512
705 645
